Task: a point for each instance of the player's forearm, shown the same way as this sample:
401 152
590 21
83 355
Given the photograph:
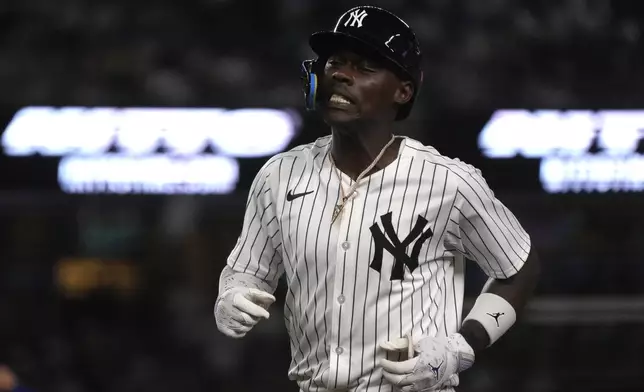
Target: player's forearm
516 290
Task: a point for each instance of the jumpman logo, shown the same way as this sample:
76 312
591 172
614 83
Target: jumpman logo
435 369
496 316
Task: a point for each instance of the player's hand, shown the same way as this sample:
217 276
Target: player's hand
437 360
238 310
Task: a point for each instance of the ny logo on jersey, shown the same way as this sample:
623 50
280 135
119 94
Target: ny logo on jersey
396 247
356 17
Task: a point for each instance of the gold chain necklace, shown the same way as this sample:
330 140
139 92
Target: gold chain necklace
345 197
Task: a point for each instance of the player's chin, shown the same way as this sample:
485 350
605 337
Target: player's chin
339 116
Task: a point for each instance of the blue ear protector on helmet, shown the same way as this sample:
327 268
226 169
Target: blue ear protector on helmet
310 83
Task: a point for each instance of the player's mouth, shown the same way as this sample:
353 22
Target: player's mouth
340 101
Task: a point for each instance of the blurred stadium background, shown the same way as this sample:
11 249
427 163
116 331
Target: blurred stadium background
108 285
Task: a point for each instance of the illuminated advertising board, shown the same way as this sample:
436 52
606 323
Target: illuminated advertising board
148 150
579 150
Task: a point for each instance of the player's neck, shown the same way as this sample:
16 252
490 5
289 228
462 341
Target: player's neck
354 150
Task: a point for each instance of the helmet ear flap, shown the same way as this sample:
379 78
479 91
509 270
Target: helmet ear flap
310 69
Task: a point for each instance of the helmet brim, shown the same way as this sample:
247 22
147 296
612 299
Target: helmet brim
325 43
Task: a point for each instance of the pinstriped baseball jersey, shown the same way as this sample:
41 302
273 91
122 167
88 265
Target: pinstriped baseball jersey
391 264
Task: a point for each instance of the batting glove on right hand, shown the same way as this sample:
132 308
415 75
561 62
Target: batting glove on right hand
238 310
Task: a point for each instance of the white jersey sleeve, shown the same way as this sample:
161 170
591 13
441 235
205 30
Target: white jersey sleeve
486 231
258 251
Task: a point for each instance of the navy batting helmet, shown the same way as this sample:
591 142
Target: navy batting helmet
376 30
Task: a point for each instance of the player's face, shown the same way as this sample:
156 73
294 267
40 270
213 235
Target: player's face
359 88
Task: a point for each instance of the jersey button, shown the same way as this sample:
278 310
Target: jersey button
339 350
346 245
341 299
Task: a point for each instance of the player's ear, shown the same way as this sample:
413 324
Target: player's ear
404 92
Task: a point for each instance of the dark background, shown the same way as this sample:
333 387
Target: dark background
115 293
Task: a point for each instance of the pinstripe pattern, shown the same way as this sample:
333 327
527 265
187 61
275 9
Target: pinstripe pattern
338 306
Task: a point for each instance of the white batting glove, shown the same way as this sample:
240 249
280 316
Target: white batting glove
438 360
238 310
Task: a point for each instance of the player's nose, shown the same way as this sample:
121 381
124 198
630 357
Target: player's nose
342 76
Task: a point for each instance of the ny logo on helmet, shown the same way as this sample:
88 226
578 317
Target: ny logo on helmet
356 17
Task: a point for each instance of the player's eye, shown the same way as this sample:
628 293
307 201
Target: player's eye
334 62
370 66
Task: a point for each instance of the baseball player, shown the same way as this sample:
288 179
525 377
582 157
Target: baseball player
372 230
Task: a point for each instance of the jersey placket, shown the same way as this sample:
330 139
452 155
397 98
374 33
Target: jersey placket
344 263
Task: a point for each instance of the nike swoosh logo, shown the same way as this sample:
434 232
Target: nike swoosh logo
292 196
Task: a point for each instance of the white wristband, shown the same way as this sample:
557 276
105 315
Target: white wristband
494 313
